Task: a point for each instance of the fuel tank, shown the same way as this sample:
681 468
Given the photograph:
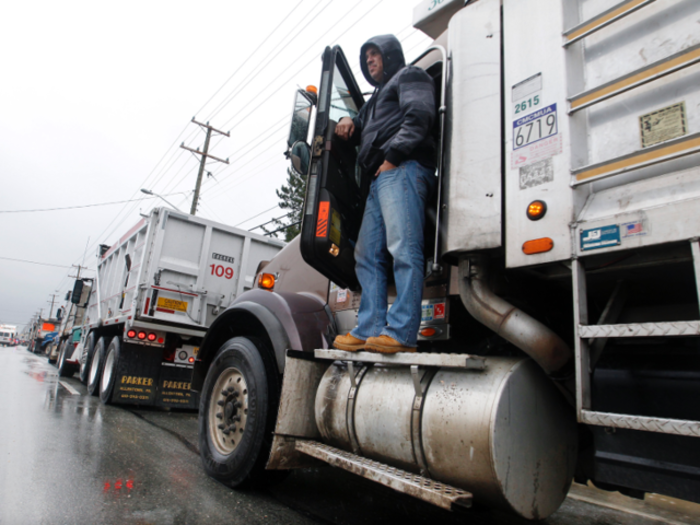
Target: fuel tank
505 433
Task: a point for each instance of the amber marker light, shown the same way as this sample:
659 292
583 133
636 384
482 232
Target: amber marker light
266 281
312 89
538 246
536 210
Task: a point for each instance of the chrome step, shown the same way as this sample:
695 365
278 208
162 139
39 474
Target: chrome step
680 427
426 489
675 328
471 362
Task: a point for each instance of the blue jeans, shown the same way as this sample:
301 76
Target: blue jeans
392 227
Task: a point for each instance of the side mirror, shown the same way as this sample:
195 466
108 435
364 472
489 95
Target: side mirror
77 292
300 154
299 130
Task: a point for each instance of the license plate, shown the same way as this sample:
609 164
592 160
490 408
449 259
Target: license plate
172 304
535 127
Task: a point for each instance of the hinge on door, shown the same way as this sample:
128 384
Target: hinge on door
318 145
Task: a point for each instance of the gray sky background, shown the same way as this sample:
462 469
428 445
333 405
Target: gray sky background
96 99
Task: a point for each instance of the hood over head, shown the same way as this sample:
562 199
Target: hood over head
392 57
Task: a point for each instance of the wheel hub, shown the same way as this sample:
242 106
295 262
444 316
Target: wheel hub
228 410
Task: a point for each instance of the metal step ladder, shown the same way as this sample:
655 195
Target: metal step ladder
418 486
440 494
587 337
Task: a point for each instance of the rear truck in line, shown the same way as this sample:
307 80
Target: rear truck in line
65 352
8 334
39 330
155 293
561 291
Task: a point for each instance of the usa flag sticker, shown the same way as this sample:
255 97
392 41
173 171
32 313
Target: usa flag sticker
632 229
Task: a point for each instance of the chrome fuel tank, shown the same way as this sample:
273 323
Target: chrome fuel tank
505 433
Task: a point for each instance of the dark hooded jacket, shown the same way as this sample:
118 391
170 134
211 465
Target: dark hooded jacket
396 123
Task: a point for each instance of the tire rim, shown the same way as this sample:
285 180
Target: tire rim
107 371
228 411
93 368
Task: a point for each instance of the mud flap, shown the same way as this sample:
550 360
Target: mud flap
141 378
136 375
174 388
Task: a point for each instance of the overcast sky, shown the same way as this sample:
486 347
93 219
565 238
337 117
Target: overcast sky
96 98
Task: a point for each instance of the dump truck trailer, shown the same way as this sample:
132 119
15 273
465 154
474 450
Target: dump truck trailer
156 291
563 268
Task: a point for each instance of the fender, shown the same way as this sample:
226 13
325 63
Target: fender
283 320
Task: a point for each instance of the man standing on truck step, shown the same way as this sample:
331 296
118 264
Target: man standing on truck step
397 149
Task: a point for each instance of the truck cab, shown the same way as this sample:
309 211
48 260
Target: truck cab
563 271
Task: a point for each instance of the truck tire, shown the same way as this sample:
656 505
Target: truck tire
109 370
237 410
98 358
86 358
65 369
49 353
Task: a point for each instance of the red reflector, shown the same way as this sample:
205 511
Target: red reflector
131 334
161 340
142 335
191 359
152 336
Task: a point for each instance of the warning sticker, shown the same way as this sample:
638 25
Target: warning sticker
536 152
172 304
322 222
662 125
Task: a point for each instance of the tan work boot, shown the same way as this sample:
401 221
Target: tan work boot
386 345
349 343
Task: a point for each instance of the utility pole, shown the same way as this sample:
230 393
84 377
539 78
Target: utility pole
53 299
76 277
205 155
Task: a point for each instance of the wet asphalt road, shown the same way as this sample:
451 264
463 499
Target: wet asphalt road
67 459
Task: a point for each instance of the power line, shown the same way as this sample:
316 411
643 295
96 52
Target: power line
79 206
256 216
34 262
284 20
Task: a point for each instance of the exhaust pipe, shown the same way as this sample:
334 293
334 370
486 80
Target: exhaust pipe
545 347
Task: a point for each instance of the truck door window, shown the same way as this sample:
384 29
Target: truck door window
342 103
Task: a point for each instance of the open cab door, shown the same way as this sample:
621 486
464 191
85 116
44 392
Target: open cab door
336 190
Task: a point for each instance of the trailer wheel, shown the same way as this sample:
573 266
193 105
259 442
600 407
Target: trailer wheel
237 416
109 370
98 357
65 369
86 357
